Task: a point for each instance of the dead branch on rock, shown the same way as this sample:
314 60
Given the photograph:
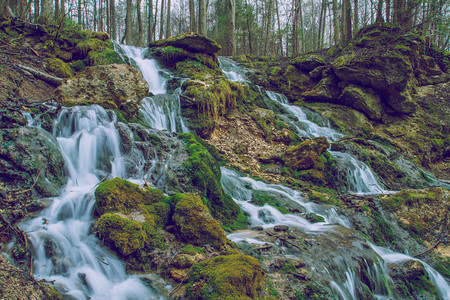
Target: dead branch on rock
41 75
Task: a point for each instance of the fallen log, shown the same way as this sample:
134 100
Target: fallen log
41 75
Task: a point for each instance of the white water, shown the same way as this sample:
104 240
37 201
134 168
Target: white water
64 249
230 70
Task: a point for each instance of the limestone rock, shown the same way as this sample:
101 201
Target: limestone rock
191 41
110 86
308 62
225 277
429 72
27 152
389 73
194 222
364 100
305 155
11 119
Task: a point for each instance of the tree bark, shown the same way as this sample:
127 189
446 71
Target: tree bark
230 36
47 11
202 17
168 29
112 8
140 28
335 22
128 23
192 18
150 21
161 20
248 28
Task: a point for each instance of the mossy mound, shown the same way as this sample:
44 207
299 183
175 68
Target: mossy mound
205 103
123 235
58 67
194 222
205 174
308 62
225 277
191 42
119 195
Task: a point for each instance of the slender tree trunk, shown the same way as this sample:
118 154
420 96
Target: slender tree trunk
379 11
202 18
268 26
347 16
140 27
46 11
79 11
336 22
112 8
280 35
168 31
36 10
154 23
355 16
150 21
129 23
248 29
388 11
231 27
192 18
56 10
161 21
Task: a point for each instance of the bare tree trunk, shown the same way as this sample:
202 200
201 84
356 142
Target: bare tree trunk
379 11
79 11
231 28
248 29
56 10
140 28
168 31
202 18
280 36
192 19
335 22
112 8
347 16
128 23
150 21
388 11
36 10
46 11
321 24
355 16
154 23
268 28
161 21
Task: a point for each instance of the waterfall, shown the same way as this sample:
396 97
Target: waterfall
64 249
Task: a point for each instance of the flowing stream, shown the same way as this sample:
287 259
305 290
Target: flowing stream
66 251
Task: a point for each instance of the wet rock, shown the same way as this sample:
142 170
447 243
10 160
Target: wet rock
225 277
364 100
11 119
388 73
191 42
194 223
126 137
429 72
27 152
281 228
111 86
258 228
308 62
183 261
304 156
313 218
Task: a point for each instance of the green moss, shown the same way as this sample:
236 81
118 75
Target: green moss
191 250
160 212
123 235
383 235
205 174
194 222
261 198
225 277
104 57
83 48
312 291
78 65
58 67
103 36
123 196
323 198
288 268
241 222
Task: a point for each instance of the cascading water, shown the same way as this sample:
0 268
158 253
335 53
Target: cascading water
161 111
361 180
64 249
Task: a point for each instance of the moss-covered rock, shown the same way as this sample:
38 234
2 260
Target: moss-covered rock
194 222
225 277
308 62
305 155
205 176
364 100
123 235
191 42
11 119
114 86
58 67
119 195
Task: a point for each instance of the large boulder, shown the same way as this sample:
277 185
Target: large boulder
225 277
364 100
305 155
389 74
191 41
308 62
429 72
29 155
195 224
110 86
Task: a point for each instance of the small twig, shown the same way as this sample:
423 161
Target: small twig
102 260
290 243
34 51
429 249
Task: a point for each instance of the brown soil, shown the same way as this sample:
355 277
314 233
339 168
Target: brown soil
16 84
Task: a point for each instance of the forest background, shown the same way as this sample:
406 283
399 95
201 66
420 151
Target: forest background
254 27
